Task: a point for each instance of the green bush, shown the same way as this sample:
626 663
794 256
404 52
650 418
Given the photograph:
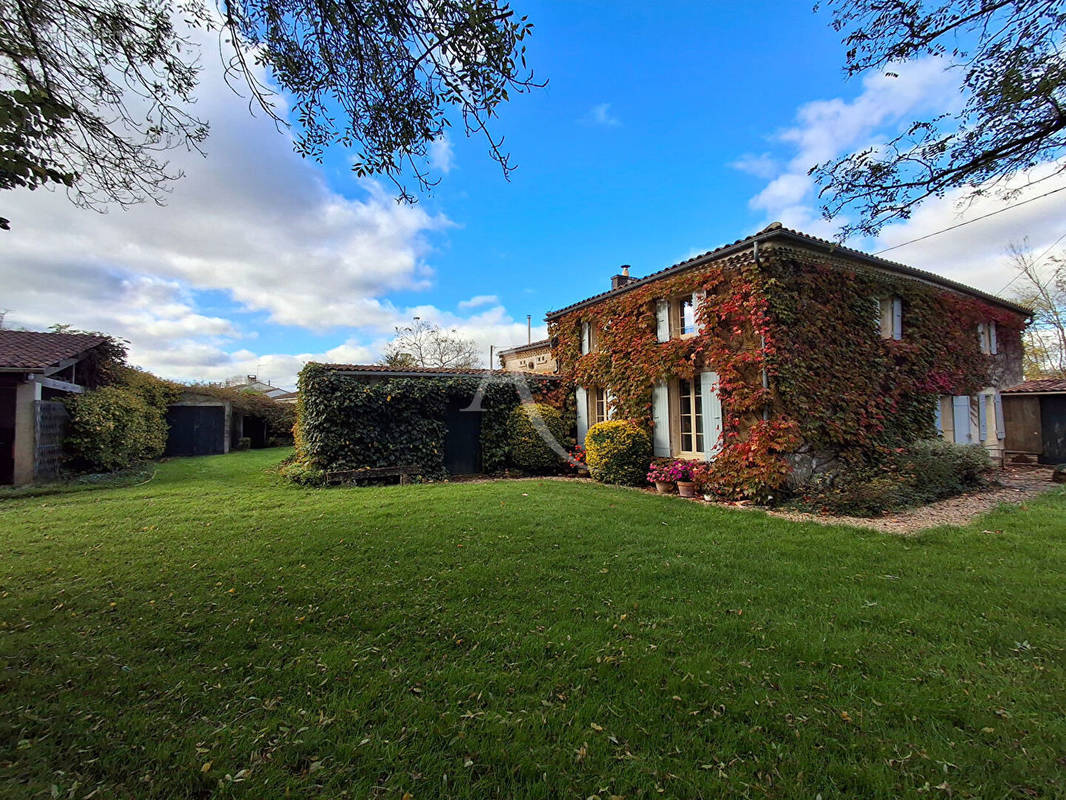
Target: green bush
926 471
113 428
618 451
528 450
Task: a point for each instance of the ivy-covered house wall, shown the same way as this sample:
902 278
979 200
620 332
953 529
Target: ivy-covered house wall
805 375
350 422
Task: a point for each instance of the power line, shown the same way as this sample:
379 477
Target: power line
975 219
1036 261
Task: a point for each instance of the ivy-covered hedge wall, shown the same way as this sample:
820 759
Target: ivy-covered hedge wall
344 423
833 382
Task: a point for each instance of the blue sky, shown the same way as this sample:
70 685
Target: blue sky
665 130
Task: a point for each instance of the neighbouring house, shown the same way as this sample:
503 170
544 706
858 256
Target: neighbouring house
781 353
532 357
1035 416
199 425
36 371
251 383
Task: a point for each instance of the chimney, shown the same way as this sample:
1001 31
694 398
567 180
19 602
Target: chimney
622 278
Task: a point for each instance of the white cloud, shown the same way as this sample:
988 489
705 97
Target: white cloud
441 155
253 221
479 300
601 115
826 129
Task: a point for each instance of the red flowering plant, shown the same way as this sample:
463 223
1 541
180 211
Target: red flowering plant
577 456
667 470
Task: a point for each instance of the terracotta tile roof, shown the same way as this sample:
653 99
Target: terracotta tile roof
33 350
1038 386
777 232
395 372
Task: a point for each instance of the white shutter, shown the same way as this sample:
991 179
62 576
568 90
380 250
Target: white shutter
982 417
993 345
1001 430
712 414
662 320
897 318
660 416
938 418
960 418
697 304
585 338
610 403
582 399
981 339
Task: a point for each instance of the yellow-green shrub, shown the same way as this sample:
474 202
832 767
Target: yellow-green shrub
618 451
113 428
529 451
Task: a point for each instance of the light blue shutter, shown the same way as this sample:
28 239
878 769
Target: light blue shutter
982 417
582 399
1001 430
897 318
660 417
610 403
938 418
697 304
712 414
585 338
960 417
993 345
662 320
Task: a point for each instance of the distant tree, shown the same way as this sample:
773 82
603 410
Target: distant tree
1043 289
1013 80
94 91
424 344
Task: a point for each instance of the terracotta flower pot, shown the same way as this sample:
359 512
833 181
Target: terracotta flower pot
664 487
686 488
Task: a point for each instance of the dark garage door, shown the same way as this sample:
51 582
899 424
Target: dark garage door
1053 423
462 445
195 430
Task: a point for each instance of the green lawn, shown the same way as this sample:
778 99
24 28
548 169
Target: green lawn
216 632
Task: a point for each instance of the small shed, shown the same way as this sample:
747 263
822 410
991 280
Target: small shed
199 425
37 370
1034 414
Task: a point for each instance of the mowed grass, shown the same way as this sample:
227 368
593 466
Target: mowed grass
217 633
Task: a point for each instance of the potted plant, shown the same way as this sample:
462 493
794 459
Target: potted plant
577 460
662 475
686 487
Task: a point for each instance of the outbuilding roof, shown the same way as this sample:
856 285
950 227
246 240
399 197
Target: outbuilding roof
1039 386
776 232
31 351
385 371
523 348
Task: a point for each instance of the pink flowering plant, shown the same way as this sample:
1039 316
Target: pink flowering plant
666 470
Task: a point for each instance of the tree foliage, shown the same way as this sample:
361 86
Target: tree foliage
94 92
1042 287
1013 81
424 344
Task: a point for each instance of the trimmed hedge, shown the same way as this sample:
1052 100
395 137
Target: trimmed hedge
618 451
528 450
343 423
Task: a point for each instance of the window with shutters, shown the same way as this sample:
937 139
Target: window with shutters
986 336
685 321
890 317
690 419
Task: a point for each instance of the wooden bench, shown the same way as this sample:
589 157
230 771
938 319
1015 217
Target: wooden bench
404 473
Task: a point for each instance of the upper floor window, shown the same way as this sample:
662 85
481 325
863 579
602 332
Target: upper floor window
686 316
676 318
890 317
586 338
986 335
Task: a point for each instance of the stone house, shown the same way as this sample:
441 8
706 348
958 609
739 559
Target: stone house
533 357
795 345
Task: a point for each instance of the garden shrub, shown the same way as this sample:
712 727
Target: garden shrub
924 472
528 450
618 451
113 428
